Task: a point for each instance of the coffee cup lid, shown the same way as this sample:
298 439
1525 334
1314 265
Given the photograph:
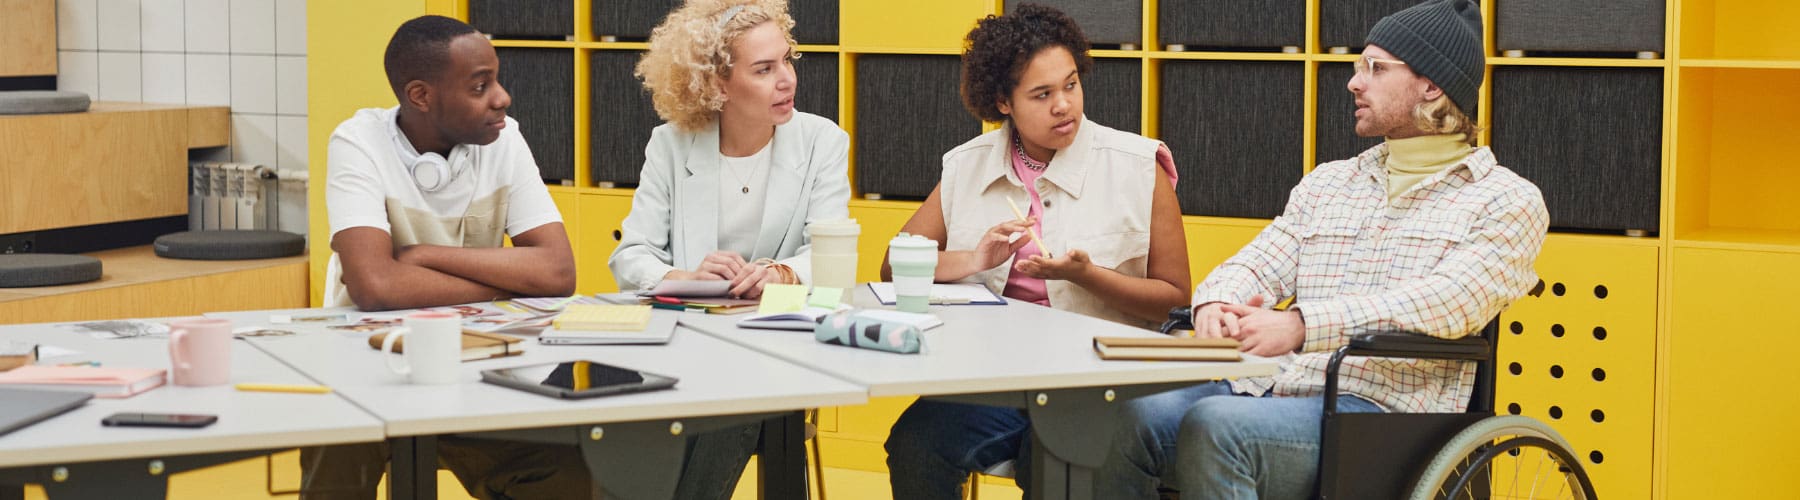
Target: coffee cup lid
834 227
912 241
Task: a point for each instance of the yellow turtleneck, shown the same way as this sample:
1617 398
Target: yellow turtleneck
1413 159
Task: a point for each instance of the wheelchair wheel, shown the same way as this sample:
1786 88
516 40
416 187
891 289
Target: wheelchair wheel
1505 457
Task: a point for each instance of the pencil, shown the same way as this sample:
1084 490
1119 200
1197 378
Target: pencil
311 389
1032 232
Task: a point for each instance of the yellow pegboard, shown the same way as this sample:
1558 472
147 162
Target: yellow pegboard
1581 356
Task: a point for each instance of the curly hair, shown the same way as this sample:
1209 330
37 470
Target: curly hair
996 51
690 55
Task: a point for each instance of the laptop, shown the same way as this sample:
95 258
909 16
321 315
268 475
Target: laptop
659 330
22 407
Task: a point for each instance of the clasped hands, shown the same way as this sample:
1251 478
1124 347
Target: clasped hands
1263 332
747 278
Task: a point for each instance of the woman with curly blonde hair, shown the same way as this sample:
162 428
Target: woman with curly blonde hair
730 182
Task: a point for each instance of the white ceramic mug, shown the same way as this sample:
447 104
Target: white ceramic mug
433 347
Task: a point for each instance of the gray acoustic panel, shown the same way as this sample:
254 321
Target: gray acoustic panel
1590 138
1586 26
1113 93
1107 22
1336 134
542 83
908 114
1228 24
523 18
620 116
1346 23
818 79
629 19
815 21
1235 130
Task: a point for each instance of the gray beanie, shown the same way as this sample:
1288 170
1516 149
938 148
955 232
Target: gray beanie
1440 40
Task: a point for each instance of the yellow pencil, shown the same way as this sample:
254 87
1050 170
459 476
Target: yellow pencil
1032 232
310 389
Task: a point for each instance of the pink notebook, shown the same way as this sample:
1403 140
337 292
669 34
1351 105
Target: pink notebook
102 382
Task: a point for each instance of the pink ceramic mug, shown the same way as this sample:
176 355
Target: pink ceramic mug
200 352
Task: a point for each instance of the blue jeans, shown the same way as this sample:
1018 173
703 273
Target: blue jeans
935 445
1231 446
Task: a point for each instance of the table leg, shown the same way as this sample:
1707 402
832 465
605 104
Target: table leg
782 457
412 468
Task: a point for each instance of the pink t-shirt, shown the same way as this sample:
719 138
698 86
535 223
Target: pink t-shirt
1018 285
1029 289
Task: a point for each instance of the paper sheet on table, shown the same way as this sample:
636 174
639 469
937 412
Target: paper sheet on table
943 294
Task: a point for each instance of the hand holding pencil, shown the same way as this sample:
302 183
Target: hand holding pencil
1032 231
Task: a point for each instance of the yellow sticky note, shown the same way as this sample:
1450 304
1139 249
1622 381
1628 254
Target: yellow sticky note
826 297
782 298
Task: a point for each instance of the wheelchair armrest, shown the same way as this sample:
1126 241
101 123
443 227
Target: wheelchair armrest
1401 345
1180 318
1411 345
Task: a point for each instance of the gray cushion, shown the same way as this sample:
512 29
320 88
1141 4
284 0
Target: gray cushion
229 245
33 102
42 269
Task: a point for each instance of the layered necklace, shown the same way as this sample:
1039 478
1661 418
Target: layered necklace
1019 149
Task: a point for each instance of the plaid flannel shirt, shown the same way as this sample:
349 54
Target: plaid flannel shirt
1441 259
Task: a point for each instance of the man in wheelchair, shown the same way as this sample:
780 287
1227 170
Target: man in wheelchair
1425 233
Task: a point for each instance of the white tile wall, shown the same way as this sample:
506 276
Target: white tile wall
78 71
253 139
290 27
208 26
200 52
253 26
208 79
165 25
253 84
165 78
290 143
120 77
77 25
119 25
290 85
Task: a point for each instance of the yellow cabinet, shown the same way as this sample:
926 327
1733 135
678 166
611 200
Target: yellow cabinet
1211 240
1581 356
601 215
1731 410
880 221
921 26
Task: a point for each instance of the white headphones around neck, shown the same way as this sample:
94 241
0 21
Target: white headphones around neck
430 171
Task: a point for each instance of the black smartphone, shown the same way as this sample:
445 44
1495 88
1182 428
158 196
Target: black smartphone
159 420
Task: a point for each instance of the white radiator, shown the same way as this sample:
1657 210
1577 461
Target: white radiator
243 196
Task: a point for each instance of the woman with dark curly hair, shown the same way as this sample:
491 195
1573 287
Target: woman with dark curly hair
1102 201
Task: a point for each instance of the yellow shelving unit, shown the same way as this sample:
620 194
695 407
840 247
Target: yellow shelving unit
1685 415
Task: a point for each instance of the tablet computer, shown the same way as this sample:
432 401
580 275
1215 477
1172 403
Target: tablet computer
577 379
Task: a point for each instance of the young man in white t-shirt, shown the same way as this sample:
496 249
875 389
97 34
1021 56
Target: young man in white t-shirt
412 229
420 196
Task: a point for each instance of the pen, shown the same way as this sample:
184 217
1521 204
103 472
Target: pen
1032 232
81 363
311 389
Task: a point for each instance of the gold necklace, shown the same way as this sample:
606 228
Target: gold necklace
740 178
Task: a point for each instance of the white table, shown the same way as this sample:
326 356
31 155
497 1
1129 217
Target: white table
720 384
1020 355
110 462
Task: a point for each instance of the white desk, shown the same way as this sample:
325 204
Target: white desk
1020 355
110 461
717 379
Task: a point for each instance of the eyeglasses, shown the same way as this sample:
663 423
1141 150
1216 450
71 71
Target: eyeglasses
1368 64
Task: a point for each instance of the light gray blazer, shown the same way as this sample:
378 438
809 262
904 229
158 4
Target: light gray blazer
674 220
